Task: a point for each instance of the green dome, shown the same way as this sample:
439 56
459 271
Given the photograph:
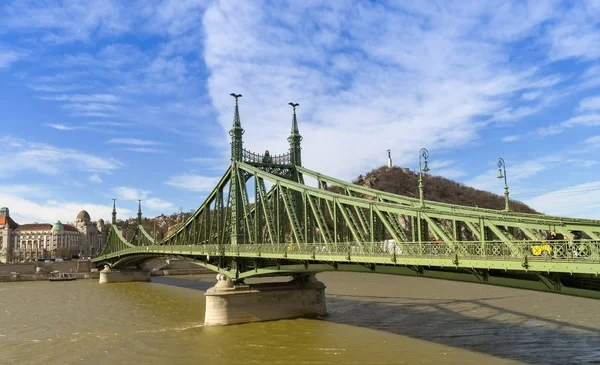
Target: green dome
4 212
58 226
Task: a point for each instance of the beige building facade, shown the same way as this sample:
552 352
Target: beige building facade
31 242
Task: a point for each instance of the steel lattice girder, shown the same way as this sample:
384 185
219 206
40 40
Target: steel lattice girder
296 206
562 224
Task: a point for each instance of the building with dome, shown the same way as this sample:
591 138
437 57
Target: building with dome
30 242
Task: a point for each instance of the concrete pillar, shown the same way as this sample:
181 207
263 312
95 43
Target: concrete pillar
114 276
228 303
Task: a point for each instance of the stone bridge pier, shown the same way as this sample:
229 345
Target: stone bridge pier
229 303
107 275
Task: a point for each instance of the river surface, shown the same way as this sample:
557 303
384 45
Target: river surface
373 319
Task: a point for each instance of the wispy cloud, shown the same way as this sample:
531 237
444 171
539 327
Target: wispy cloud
532 95
591 103
132 141
63 127
83 98
27 208
20 155
133 194
581 200
594 140
128 193
511 138
193 182
107 124
144 150
414 78
516 172
160 205
71 21
587 120
8 57
95 179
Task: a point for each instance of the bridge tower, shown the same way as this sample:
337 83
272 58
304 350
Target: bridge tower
296 161
114 212
235 194
295 138
139 213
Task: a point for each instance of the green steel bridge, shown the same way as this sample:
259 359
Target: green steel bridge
292 228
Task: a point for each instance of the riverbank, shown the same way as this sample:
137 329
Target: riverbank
44 277
95 275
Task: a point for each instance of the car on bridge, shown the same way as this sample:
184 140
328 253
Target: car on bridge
541 249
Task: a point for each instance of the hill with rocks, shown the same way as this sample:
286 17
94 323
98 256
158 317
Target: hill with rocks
402 181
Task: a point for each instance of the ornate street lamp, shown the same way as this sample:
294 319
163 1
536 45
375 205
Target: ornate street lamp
424 154
502 166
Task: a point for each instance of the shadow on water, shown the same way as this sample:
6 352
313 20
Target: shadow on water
474 325
195 283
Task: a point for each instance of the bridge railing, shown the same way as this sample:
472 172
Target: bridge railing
561 251
583 250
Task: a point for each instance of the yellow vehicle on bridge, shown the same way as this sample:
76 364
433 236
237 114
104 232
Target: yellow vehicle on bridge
541 249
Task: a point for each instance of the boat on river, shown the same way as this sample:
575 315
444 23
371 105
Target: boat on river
61 276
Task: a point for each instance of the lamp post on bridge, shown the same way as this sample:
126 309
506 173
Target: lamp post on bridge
423 153
502 166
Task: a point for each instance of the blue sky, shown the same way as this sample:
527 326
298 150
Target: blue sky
106 99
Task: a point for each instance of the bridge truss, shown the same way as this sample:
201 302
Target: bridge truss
261 219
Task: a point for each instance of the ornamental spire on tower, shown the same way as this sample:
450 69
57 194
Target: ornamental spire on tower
114 212
294 139
139 215
236 132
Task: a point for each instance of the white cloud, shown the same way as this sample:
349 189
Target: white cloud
20 155
134 194
27 210
516 172
576 34
156 204
582 200
107 124
81 98
590 120
95 179
63 127
132 141
8 57
424 76
532 95
591 103
595 140
511 138
144 150
128 193
586 120
65 21
85 108
193 182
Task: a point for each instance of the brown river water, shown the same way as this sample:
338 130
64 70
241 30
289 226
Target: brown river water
373 319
